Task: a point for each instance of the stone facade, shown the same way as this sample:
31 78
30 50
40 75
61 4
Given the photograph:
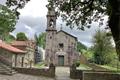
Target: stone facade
6 57
60 45
10 55
27 60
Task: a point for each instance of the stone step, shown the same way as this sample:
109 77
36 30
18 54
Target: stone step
4 69
5 66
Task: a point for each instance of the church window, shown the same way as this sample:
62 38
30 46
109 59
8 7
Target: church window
61 45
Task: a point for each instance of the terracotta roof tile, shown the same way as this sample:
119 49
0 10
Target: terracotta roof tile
10 48
19 43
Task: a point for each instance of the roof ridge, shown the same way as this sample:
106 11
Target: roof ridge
67 33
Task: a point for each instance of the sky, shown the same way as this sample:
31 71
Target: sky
33 21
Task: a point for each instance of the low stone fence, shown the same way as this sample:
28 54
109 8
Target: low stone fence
75 74
48 72
101 76
93 75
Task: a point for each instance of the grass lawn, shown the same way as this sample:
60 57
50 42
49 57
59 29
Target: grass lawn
110 68
40 65
84 67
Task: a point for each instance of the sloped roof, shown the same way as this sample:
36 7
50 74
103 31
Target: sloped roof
10 48
67 34
19 43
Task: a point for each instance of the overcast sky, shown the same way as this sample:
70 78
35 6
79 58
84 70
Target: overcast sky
33 20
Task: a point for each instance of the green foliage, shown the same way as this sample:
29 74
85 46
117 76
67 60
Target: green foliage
40 40
89 55
102 48
7 20
14 5
9 38
77 63
111 68
21 36
84 67
81 47
40 65
81 12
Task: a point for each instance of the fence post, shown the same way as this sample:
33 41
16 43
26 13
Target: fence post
52 70
72 71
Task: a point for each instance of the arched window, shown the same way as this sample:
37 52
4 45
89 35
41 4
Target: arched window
51 23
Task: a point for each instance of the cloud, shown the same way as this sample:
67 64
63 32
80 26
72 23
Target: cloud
35 8
2 2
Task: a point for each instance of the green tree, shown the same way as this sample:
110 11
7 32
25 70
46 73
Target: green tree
81 13
40 40
21 36
102 48
81 47
14 5
7 21
9 38
9 16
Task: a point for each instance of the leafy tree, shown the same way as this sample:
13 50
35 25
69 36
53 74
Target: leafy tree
7 21
9 38
102 48
14 5
81 13
40 40
9 15
21 36
81 47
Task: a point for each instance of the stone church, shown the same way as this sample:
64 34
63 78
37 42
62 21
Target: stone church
60 45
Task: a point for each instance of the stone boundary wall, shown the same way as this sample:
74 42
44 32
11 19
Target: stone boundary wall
75 74
49 72
100 76
93 75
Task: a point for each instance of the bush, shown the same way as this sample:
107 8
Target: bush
77 63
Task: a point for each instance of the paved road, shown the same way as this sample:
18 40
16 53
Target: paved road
23 77
62 73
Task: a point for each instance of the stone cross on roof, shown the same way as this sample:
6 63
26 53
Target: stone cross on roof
61 27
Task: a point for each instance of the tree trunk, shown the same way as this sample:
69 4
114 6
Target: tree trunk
114 23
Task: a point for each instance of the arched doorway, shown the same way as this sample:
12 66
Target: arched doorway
61 60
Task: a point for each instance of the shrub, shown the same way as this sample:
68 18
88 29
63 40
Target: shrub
77 63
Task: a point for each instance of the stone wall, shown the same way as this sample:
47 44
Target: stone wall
48 72
75 74
101 76
93 75
6 57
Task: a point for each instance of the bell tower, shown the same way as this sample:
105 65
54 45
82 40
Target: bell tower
51 18
50 34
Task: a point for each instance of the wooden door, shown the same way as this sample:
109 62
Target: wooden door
61 60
